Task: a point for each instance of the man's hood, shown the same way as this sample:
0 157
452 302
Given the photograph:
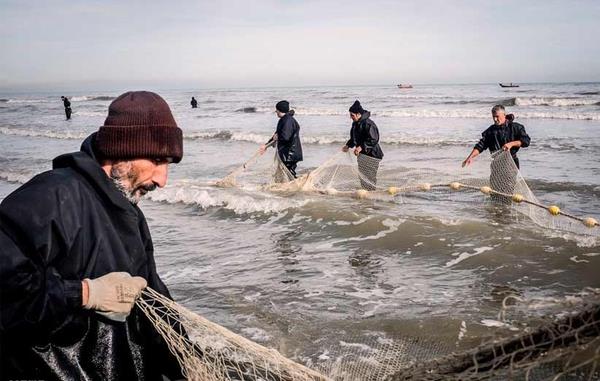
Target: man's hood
86 163
365 115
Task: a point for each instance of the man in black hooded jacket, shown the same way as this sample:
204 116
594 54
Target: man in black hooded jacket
287 137
75 253
364 138
504 135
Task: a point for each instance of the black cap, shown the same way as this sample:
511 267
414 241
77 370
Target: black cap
356 108
283 106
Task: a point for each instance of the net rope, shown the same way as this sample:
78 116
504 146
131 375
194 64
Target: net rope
556 346
365 177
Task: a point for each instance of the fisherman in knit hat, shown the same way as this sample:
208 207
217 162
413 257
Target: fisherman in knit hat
287 138
364 139
75 253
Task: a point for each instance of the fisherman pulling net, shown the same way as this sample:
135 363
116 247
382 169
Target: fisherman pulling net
560 346
365 177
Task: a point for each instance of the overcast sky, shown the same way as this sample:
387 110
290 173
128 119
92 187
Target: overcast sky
295 43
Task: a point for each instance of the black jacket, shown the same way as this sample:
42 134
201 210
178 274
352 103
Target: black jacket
62 226
288 138
365 134
494 137
67 103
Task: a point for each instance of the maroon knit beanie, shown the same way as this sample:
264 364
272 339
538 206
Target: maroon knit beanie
139 126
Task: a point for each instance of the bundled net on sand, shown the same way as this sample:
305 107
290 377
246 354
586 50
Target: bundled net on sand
563 346
365 177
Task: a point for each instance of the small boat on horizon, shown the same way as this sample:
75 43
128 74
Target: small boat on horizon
508 85
405 86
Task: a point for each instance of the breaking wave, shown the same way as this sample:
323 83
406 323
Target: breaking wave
92 98
240 204
15 177
44 133
552 102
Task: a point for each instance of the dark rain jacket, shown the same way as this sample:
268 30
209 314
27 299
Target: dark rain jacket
365 134
62 226
494 137
288 139
66 103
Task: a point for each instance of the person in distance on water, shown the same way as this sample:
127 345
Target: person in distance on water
67 105
364 138
194 103
287 137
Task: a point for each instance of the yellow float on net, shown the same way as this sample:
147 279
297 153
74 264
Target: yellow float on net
590 222
425 186
455 185
554 210
485 190
517 197
361 193
392 190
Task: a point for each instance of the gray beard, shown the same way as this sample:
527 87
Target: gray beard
120 184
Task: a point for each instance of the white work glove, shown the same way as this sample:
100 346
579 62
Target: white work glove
113 295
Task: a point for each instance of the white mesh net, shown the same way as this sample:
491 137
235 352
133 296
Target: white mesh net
365 177
565 347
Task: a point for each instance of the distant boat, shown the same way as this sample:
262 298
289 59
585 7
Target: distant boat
508 85
407 86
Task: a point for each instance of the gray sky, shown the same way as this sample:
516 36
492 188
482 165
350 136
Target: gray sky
294 43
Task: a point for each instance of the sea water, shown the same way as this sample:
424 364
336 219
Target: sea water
303 272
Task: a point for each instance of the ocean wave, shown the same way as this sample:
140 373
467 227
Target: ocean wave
27 100
445 113
15 177
553 102
240 204
550 143
43 133
3 100
589 93
85 98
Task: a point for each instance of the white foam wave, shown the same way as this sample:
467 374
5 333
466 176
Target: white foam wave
15 177
392 225
240 204
27 100
465 255
260 139
85 98
555 102
482 113
43 133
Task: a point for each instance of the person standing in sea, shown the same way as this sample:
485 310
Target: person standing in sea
364 138
287 136
67 105
506 135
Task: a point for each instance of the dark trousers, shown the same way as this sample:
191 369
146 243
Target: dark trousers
291 166
68 112
367 167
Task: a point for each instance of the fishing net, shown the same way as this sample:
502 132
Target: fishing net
562 346
259 171
365 177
